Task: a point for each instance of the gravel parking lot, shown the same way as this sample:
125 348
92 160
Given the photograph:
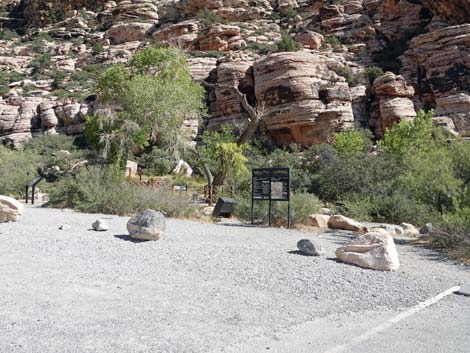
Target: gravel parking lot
202 288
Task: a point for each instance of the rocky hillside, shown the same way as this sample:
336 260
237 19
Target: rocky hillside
362 62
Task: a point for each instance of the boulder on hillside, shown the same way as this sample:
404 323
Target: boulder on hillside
345 223
376 251
10 209
319 220
146 225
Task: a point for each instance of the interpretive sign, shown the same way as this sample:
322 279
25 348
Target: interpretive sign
270 184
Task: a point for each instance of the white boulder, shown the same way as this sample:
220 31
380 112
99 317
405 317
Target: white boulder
376 251
10 209
345 223
319 220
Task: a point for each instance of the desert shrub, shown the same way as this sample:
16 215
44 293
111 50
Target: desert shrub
157 162
4 89
17 168
261 48
290 13
286 44
104 189
331 40
8 34
40 64
97 49
372 72
208 17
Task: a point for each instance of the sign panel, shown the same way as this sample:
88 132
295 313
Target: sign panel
270 184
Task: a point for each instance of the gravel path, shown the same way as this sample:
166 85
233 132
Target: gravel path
202 288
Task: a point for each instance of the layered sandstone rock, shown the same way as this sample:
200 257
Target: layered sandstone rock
239 10
393 102
128 32
304 102
226 107
438 64
182 34
20 117
453 11
219 37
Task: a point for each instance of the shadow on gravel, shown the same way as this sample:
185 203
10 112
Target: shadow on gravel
298 252
129 238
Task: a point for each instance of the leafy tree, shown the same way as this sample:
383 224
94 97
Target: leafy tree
222 154
151 97
409 136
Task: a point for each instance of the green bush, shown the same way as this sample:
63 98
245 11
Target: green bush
4 89
104 189
352 141
40 64
157 162
17 168
286 44
208 17
302 206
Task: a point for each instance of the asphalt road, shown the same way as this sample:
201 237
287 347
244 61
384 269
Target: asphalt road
443 327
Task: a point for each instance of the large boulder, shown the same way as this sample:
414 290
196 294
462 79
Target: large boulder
304 101
376 251
146 225
319 220
345 223
10 209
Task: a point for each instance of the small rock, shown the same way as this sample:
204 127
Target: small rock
310 247
100 225
146 225
326 211
65 227
410 230
426 229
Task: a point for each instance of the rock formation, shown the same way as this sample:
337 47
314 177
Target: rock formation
304 96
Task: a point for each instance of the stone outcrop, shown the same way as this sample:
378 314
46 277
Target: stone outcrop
376 251
240 10
304 101
21 117
226 106
182 34
219 37
128 32
453 11
438 64
393 102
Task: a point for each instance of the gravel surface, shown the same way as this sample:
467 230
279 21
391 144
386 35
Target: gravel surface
201 288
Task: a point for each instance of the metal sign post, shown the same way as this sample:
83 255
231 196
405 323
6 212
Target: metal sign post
271 184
